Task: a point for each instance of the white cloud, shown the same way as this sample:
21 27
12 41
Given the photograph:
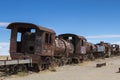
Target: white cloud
4 48
4 43
0 47
4 24
116 42
104 36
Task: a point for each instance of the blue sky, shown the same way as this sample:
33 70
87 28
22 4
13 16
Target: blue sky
97 20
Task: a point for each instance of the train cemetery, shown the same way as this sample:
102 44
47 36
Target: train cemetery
44 55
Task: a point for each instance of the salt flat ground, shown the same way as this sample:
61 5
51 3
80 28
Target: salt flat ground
4 57
83 71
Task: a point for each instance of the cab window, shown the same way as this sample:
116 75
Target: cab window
83 42
48 38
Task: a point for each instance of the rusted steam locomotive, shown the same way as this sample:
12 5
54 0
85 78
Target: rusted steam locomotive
37 48
104 49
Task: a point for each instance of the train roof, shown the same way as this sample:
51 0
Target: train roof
29 25
73 35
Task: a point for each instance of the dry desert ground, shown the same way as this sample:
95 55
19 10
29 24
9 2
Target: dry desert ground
82 71
4 57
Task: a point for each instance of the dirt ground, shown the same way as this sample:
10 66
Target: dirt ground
4 57
83 71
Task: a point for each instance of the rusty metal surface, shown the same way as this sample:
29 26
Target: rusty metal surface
63 47
28 25
90 47
115 49
79 42
103 48
69 34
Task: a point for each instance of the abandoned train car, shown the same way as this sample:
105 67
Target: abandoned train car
103 49
31 41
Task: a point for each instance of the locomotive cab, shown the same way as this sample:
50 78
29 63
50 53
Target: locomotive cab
30 40
115 49
103 50
79 44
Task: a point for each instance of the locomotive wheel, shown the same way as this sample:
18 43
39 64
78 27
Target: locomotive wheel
22 68
52 61
56 62
76 60
69 61
12 69
37 67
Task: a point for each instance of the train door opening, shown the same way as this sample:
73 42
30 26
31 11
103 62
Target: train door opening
48 38
73 41
19 35
48 43
25 41
28 41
